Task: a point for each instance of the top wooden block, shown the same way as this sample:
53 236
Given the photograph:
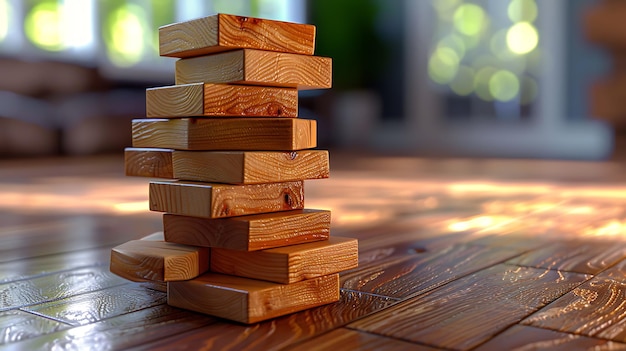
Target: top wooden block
226 32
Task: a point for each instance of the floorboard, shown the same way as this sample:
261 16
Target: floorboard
453 255
476 307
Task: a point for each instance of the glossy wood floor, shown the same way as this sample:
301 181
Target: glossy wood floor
454 255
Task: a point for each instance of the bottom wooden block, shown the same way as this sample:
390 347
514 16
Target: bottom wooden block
147 260
248 300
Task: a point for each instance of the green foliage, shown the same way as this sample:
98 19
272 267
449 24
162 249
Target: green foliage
346 32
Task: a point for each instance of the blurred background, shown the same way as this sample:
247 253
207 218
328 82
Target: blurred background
479 78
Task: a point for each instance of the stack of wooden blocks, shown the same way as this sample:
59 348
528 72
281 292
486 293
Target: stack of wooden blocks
237 242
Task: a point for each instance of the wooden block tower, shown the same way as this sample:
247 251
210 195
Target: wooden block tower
237 241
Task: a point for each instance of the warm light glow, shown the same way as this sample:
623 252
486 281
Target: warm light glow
504 85
470 19
43 26
131 207
443 65
127 25
522 10
6 13
477 223
501 188
76 195
460 226
611 228
522 38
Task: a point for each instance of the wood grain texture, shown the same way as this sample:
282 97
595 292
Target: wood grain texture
39 266
212 200
147 260
225 32
98 305
422 272
256 67
16 325
475 307
277 333
575 256
249 233
250 134
595 308
346 339
243 167
289 264
520 337
221 100
73 233
146 162
121 332
232 167
248 300
56 286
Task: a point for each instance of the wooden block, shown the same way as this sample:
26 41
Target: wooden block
221 100
249 301
232 167
249 233
257 67
145 162
264 134
242 167
226 32
211 200
289 264
148 260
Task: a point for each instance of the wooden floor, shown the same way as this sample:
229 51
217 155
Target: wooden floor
454 255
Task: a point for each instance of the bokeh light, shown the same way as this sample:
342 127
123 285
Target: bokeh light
77 23
463 82
481 82
499 47
43 25
522 10
504 85
128 30
443 65
522 38
470 19
455 43
5 17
